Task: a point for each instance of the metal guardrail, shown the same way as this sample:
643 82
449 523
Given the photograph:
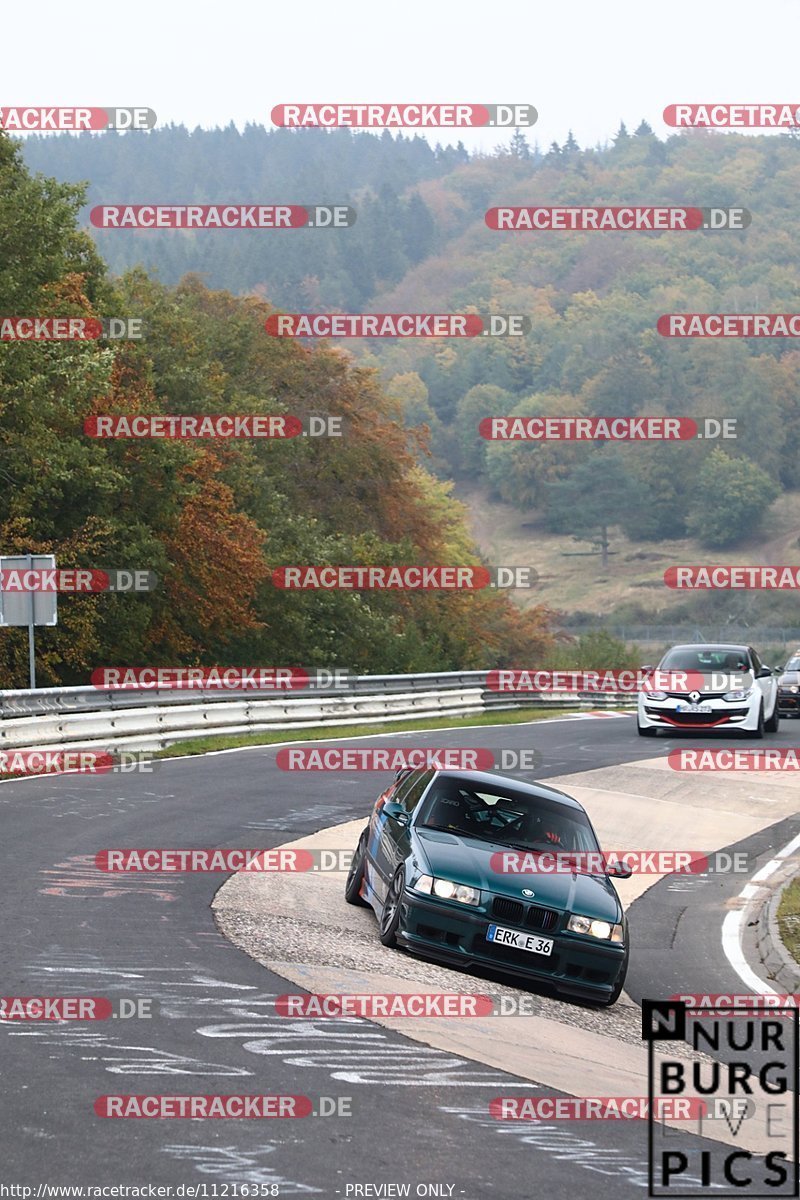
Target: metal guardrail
152 718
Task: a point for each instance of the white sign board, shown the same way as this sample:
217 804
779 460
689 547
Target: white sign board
27 608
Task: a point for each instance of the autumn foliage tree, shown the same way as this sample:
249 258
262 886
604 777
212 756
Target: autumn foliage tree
213 519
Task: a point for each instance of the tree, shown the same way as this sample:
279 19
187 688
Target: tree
570 145
519 145
643 130
731 498
483 400
418 230
598 495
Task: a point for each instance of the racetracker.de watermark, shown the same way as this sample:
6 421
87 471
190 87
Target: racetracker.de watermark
71 329
402 116
635 218
413 758
79 580
225 679
784 758
599 862
193 1108
727 577
198 425
626 680
732 116
222 216
601 429
311 577
75 761
397 325
730 325
597 1108
79 119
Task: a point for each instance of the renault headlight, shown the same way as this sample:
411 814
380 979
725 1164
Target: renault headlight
739 694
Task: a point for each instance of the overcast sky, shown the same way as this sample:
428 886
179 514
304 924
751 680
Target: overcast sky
584 64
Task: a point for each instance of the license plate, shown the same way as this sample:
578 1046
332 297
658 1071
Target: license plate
701 708
518 940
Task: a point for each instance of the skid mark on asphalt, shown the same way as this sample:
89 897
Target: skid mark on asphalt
566 1146
78 878
239 1166
351 1049
314 815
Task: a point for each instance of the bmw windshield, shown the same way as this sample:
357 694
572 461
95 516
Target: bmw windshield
505 817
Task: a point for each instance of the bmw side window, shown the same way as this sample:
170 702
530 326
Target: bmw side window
412 797
402 786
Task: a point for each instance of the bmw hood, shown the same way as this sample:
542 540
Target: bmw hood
469 861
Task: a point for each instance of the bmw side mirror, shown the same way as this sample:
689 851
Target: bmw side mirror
620 870
396 812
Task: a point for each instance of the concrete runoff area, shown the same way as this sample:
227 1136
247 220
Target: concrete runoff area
299 926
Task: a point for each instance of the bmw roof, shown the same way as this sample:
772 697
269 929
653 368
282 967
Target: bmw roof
540 790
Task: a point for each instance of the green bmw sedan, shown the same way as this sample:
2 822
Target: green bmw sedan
474 869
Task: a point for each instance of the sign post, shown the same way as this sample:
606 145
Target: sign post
31 608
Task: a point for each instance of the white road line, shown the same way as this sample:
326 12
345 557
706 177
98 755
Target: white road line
359 737
732 925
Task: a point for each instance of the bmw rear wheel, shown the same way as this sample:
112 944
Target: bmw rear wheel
355 876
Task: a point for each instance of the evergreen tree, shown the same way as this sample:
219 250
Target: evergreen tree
519 145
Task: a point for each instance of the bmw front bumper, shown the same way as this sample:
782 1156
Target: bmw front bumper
444 932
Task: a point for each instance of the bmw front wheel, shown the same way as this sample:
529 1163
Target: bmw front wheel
390 917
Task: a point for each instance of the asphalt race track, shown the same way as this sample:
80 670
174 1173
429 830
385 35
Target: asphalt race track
419 1115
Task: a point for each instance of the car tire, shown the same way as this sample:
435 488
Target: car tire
773 724
390 917
355 876
645 730
758 732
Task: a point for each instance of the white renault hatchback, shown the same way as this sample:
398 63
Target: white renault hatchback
722 687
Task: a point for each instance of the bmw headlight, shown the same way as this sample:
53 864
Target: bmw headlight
792 688
740 694
599 929
446 889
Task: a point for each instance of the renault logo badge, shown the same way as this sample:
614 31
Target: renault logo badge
694 697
